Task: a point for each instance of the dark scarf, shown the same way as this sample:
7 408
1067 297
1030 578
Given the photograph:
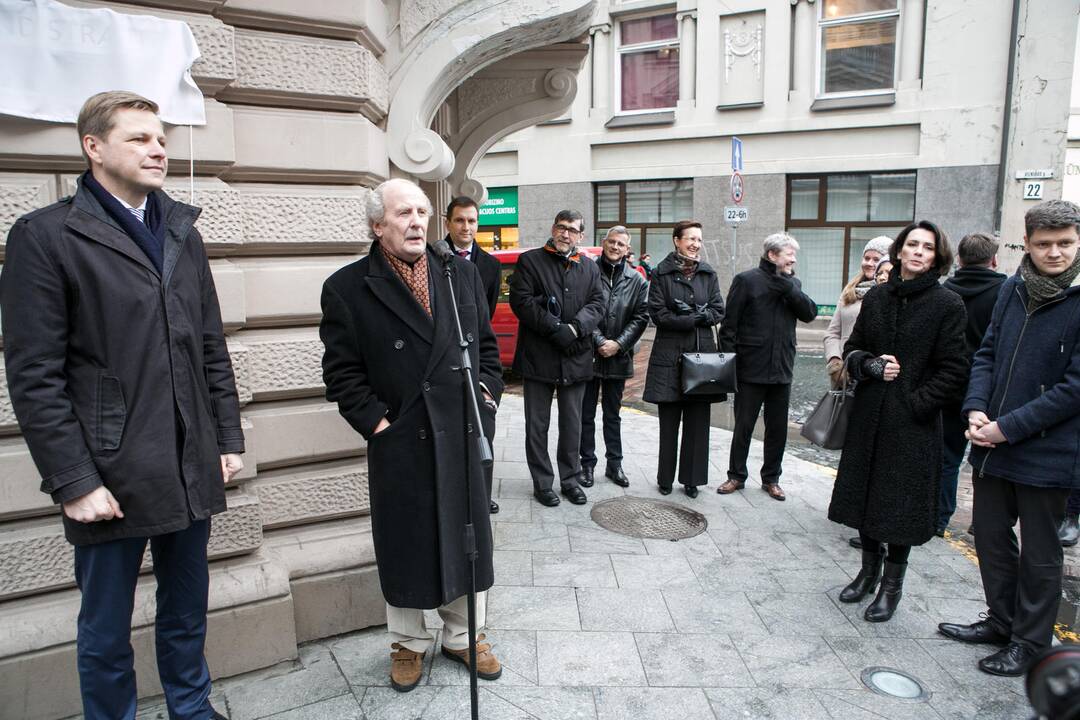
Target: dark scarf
903 288
572 256
1041 289
149 236
687 266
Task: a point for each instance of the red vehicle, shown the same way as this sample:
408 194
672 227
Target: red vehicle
505 323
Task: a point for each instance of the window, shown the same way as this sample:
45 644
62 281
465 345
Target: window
647 63
648 210
833 216
858 46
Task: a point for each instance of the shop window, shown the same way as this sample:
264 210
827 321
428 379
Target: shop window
647 63
858 46
647 209
833 216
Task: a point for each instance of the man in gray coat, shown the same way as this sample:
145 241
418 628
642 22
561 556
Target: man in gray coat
121 382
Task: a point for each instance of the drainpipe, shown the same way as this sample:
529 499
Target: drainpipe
1007 121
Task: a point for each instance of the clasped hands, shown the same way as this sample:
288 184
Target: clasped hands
700 312
982 432
100 504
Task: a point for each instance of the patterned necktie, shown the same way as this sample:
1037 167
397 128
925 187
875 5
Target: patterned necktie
463 253
139 213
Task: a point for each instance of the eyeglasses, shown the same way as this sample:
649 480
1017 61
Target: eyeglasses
567 229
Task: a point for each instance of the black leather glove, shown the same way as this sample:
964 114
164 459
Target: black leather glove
681 308
702 319
564 336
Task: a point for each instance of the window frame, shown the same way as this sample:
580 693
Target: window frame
819 54
675 42
641 227
821 220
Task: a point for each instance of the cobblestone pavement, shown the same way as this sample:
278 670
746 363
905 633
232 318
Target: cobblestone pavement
741 621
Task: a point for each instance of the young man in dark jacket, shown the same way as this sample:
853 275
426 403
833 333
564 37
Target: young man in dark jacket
1023 413
556 295
124 391
763 305
626 314
977 283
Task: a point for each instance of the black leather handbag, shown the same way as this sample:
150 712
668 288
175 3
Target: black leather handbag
827 425
705 374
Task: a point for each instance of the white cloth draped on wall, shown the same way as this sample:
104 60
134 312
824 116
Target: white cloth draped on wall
54 56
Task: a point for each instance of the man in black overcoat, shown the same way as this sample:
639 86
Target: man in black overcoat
555 293
763 305
390 365
122 385
462 218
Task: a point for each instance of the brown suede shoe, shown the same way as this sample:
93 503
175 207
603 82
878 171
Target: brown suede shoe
729 487
774 491
487 666
406 667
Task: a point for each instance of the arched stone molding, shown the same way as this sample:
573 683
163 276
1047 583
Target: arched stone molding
463 40
512 94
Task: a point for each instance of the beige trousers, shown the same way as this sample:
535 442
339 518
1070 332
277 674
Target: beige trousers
407 627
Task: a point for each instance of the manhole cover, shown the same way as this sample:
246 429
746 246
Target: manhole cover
642 518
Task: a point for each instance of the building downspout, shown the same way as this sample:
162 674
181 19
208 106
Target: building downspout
1007 120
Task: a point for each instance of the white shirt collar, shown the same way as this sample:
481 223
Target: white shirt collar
131 207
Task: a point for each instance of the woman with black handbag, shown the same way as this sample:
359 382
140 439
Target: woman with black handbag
685 304
907 354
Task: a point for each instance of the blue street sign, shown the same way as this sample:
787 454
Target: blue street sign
736 154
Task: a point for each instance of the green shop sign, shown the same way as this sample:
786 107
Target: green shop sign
501 207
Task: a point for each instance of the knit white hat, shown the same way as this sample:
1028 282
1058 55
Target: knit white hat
880 245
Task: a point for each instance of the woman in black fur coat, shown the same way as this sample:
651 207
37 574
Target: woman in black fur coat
907 354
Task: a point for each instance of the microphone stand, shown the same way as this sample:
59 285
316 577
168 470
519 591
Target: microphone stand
472 425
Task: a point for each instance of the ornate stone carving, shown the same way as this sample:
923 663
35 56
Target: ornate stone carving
330 74
477 96
741 43
306 497
20 194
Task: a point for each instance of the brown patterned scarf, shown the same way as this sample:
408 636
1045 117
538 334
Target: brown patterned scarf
414 276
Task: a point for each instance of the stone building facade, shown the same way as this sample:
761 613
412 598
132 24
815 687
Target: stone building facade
309 104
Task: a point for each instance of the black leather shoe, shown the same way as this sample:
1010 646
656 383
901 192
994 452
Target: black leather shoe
664 490
493 507
855 542
547 497
1010 661
575 495
889 593
617 476
586 478
867 579
979 632
690 490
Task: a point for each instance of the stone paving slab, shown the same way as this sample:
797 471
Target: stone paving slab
741 621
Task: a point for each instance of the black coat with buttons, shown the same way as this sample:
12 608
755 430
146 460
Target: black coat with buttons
675 333
548 291
386 357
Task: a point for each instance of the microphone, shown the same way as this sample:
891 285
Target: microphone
442 252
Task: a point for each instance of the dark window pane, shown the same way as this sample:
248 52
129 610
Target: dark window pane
847 198
804 198
892 197
650 79
607 203
821 262
662 201
650 29
859 56
845 8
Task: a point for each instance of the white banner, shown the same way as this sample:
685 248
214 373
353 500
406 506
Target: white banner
53 57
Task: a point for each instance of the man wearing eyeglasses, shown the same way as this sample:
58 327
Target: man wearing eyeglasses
556 295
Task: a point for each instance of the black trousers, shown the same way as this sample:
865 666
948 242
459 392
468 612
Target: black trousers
610 390
1022 586
537 419
748 402
1072 507
693 456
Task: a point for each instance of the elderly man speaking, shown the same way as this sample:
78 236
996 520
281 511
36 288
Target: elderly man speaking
390 365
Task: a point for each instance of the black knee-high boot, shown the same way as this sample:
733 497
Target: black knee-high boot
888 597
867 579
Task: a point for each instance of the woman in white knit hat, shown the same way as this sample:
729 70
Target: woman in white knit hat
847 307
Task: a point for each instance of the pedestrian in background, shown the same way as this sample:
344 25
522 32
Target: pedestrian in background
763 305
977 283
555 294
847 307
1023 413
685 303
625 316
645 263
907 355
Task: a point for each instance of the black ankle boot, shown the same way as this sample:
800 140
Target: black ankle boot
888 597
867 579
